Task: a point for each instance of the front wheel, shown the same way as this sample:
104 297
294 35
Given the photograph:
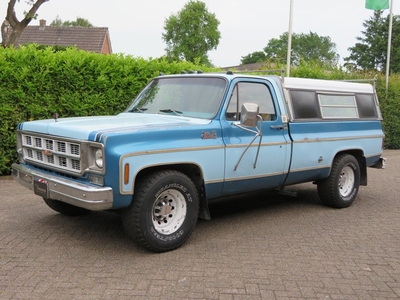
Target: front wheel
340 189
163 212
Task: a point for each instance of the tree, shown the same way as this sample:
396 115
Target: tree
78 22
11 28
370 52
307 47
255 57
191 33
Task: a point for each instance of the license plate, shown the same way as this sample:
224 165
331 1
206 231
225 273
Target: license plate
41 188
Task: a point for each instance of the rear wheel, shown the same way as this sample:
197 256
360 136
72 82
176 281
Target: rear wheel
163 212
340 189
65 208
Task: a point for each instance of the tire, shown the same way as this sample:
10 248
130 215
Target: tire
65 208
163 212
340 189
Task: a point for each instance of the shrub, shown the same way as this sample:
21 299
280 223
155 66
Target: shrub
36 83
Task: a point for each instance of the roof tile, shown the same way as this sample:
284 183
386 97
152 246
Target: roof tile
84 38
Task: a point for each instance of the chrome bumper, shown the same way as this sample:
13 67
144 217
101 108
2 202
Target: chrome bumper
381 164
65 190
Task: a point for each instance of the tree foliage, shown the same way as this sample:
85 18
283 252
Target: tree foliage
191 33
12 28
370 52
308 47
255 57
78 22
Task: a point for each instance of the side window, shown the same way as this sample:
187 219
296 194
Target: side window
305 104
318 105
338 106
366 106
257 93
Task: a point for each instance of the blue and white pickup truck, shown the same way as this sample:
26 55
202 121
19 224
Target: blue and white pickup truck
190 138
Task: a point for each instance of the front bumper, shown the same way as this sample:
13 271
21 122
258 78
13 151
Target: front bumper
64 189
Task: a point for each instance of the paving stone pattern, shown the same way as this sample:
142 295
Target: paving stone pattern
261 246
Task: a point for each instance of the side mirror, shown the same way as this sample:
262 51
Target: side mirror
249 115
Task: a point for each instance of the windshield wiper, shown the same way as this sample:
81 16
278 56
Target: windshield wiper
136 109
170 110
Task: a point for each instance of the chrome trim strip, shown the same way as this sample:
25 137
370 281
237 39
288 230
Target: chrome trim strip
256 145
65 190
214 181
132 191
316 140
162 151
256 176
310 168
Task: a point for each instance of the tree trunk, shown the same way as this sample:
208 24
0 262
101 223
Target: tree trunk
10 35
5 33
11 29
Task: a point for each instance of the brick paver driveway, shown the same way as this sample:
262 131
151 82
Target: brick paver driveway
263 246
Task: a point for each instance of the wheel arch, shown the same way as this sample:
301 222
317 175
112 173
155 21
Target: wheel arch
362 162
193 171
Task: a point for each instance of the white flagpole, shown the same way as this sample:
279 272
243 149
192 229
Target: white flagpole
289 48
389 44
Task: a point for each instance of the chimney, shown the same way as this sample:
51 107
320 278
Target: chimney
42 24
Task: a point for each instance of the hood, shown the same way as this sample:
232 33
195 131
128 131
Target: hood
87 128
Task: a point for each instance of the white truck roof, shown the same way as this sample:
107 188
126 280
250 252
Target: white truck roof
327 85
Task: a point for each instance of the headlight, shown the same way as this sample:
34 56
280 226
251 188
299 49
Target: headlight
98 158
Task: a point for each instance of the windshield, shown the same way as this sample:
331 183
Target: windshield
198 97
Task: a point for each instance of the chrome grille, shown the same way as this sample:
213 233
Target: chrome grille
76 164
38 142
49 144
61 147
39 155
53 153
75 149
50 159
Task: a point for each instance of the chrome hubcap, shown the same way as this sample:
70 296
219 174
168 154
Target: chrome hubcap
346 181
169 211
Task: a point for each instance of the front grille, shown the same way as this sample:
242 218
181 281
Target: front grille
53 153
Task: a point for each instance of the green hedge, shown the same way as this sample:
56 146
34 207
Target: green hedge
390 107
36 83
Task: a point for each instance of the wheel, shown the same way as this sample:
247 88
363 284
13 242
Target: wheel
163 212
65 208
340 189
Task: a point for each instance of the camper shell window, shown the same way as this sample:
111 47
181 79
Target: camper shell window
338 106
315 105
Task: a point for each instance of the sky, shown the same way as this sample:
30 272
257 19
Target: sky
246 26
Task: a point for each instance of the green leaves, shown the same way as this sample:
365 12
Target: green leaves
305 47
35 83
370 52
191 33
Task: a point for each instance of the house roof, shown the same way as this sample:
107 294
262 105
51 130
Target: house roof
84 38
247 67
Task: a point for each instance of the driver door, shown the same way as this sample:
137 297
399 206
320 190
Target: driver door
245 170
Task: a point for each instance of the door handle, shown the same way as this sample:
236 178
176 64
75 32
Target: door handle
279 127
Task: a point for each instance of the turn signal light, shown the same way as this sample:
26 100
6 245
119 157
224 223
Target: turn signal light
126 174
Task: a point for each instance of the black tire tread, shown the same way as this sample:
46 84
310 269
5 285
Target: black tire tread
131 215
327 188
